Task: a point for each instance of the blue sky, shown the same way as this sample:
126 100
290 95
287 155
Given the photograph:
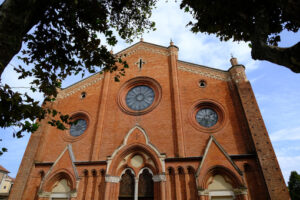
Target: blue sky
276 88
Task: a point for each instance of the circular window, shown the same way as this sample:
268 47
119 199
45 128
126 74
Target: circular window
78 127
207 117
140 97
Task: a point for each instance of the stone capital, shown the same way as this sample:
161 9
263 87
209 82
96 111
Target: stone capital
112 179
159 178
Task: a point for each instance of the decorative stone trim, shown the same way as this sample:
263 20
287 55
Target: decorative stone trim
159 178
112 179
203 192
134 49
77 87
57 195
239 191
215 75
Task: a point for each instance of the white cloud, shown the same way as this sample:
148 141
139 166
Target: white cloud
288 164
286 134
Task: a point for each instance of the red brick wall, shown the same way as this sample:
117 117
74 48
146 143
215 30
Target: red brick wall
169 128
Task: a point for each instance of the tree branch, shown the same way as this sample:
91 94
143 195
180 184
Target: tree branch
287 57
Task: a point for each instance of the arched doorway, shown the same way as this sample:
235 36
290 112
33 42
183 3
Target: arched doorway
61 190
220 189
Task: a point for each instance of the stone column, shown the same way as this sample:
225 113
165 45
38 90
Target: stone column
136 188
162 179
203 194
241 193
110 180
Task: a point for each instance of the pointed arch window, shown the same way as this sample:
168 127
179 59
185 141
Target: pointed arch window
136 188
145 189
127 186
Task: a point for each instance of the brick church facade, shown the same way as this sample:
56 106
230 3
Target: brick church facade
168 130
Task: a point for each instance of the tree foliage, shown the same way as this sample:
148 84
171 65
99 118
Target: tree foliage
61 38
294 185
257 22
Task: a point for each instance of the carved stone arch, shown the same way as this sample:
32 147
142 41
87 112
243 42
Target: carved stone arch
130 144
113 169
57 176
145 168
127 168
228 175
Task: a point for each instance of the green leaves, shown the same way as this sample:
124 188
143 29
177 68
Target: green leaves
3 150
294 185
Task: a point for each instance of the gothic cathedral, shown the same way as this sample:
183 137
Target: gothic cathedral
168 130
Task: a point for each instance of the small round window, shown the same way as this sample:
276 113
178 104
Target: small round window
78 127
140 97
207 117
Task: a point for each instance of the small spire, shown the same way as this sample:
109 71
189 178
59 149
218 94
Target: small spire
142 39
171 42
233 61
111 51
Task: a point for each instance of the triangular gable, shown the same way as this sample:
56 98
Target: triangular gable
215 156
64 162
144 46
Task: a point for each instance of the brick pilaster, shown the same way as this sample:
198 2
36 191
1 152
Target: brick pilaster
266 155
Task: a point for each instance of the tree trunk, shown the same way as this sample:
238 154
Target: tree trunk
17 17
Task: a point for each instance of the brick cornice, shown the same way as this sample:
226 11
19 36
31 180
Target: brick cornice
80 86
207 72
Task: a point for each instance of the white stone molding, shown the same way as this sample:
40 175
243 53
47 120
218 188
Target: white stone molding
148 143
159 178
239 191
221 193
51 195
141 171
145 47
79 86
223 76
216 193
212 139
203 192
112 179
123 172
